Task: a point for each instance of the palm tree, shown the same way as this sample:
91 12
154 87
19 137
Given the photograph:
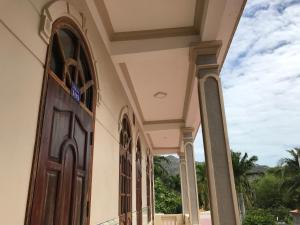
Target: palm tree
202 185
291 176
242 165
292 165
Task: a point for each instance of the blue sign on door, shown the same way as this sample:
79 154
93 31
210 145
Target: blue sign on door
75 92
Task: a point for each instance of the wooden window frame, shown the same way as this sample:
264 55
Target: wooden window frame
125 173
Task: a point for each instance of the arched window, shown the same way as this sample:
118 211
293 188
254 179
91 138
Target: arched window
139 183
125 167
70 65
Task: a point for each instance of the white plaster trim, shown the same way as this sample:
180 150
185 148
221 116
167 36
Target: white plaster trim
137 137
61 8
124 111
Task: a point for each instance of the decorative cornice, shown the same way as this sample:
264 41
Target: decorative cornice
204 55
204 49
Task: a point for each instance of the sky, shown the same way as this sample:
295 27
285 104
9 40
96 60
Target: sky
261 82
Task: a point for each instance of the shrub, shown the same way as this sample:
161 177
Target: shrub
167 200
259 217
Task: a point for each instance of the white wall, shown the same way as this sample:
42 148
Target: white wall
22 57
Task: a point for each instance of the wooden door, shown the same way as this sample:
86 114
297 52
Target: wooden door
139 184
61 189
61 177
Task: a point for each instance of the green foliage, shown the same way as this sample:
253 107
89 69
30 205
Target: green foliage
167 188
268 192
259 217
202 184
282 213
167 200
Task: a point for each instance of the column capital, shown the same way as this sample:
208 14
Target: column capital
181 156
187 134
205 57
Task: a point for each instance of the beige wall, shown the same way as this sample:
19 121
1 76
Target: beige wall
22 55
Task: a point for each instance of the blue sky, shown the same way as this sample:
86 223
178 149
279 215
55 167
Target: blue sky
261 82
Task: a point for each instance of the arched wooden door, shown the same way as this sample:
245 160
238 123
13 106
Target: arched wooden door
60 188
125 174
139 184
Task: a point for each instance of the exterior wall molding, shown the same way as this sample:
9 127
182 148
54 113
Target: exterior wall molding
61 8
124 111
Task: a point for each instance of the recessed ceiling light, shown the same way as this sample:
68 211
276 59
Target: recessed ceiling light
160 95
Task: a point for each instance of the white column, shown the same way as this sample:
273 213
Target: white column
184 185
191 175
223 199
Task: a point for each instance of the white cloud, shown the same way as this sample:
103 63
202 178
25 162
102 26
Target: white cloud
261 81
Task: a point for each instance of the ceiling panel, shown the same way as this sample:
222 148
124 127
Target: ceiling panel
160 71
137 15
165 138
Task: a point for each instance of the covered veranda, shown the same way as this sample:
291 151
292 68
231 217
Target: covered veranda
168 59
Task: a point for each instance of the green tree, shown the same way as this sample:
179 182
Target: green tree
259 217
242 165
202 184
167 188
167 200
291 178
268 191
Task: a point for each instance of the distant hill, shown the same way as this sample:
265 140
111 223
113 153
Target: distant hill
173 167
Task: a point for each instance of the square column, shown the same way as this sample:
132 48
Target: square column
184 185
223 196
188 148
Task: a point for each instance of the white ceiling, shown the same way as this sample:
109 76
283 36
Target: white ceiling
160 71
137 15
165 138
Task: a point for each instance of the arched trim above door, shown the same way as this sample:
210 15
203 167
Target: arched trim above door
59 9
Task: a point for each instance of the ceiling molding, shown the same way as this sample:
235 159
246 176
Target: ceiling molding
150 140
103 12
166 150
189 89
204 48
163 125
196 29
200 15
128 80
151 34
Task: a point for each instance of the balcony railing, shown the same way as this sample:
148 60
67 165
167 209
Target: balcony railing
170 219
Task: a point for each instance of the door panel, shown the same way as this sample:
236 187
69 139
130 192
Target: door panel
62 180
